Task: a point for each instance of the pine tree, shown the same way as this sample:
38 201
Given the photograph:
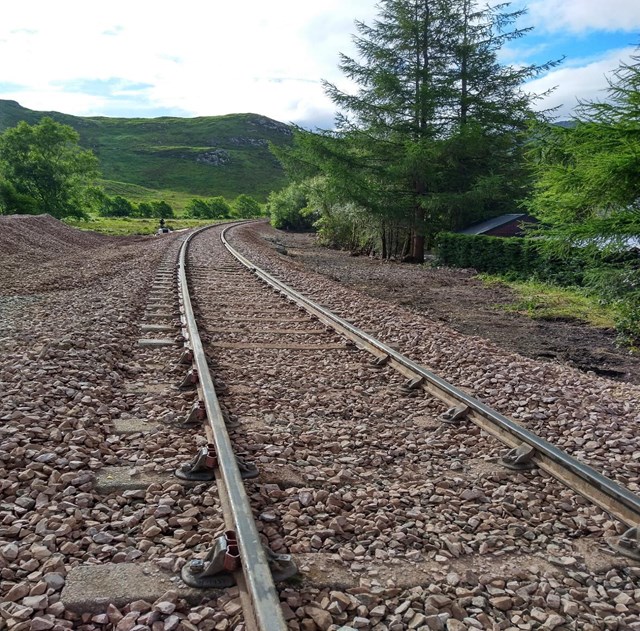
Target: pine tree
436 124
587 176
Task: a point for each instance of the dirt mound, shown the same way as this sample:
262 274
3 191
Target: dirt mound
44 237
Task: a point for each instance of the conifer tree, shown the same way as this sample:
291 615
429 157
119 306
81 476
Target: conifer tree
435 125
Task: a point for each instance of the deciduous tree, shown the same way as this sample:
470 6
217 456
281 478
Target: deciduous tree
246 207
45 163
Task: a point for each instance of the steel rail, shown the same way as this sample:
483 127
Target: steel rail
615 499
257 575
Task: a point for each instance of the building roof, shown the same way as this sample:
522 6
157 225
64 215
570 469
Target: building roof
490 224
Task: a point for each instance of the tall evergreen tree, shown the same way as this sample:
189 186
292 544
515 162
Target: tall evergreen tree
588 176
435 125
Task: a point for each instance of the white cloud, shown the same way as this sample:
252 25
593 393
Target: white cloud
578 16
207 57
201 56
586 81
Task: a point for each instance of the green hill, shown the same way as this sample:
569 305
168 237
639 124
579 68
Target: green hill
207 155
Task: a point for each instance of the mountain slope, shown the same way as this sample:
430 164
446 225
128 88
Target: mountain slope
208 155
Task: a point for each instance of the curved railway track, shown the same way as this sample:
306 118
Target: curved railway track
242 323
325 444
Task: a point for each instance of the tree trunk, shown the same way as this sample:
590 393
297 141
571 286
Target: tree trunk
417 243
384 243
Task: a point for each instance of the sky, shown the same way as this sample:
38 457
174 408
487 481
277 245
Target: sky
144 58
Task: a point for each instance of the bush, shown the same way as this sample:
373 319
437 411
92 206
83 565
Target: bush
144 209
287 208
495 255
117 206
514 257
213 208
246 207
613 278
14 203
162 210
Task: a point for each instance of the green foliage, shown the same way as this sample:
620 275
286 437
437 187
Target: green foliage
288 208
144 209
617 283
117 206
173 154
130 225
587 194
246 207
540 300
433 137
587 186
611 279
515 258
14 203
212 208
495 255
162 210
44 163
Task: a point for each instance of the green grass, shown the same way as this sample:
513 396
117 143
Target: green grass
129 226
546 302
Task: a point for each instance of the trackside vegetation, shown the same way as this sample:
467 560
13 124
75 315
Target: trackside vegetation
43 169
203 156
432 137
437 135
129 226
572 281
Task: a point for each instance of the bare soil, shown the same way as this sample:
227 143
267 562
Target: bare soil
459 298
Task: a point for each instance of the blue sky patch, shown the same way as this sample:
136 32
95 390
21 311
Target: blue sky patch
103 87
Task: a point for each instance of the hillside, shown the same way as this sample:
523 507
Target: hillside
208 155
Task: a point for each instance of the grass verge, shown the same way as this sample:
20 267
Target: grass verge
547 302
132 226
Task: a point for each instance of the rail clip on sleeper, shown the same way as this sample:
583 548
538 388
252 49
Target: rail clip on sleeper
215 570
453 415
628 543
202 468
190 380
519 459
197 414
217 567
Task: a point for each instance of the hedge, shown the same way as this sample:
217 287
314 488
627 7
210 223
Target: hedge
514 257
496 255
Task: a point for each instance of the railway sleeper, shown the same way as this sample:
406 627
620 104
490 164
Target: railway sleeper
216 569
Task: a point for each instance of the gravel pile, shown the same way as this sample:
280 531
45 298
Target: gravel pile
70 368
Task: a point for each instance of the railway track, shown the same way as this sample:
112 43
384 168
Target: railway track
395 518
273 328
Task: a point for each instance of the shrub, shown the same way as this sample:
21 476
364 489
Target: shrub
117 206
246 207
288 208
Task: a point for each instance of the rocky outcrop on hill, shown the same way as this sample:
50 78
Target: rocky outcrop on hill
215 157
